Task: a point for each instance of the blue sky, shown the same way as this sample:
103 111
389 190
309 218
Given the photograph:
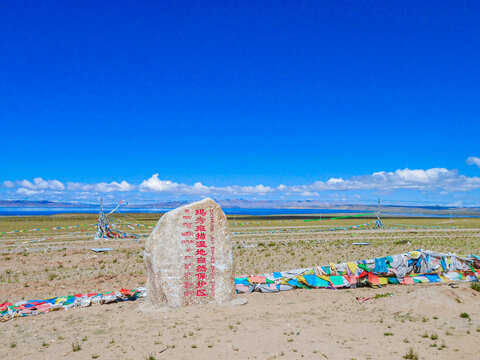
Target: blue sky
246 99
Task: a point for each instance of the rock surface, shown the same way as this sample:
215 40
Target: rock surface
189 257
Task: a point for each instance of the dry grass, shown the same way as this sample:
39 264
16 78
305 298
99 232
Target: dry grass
53 263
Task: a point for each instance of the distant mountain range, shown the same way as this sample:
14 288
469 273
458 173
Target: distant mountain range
255 204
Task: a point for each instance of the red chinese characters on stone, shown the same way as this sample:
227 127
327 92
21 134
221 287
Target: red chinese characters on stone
199 220
201 212
201 284
201 252
212 284
202 292
201 268
198 243
187 240
212 257
201 276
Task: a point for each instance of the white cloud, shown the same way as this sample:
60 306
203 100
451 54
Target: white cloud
101 187
310 193
49 187
473 160
333 181
9 184
430 179
245 190
458 203
39 184
27 192
154 184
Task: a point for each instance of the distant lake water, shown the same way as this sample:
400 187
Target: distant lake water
16 211
42 211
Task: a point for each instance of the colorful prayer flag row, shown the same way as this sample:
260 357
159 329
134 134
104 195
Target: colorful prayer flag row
35 307
419 266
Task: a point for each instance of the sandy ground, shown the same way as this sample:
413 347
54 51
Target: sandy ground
310 324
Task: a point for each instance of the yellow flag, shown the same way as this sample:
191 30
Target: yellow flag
352 266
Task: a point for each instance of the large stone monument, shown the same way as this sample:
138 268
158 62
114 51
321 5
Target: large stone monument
189 257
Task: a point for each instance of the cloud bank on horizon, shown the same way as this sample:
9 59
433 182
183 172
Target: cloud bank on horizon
436 181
